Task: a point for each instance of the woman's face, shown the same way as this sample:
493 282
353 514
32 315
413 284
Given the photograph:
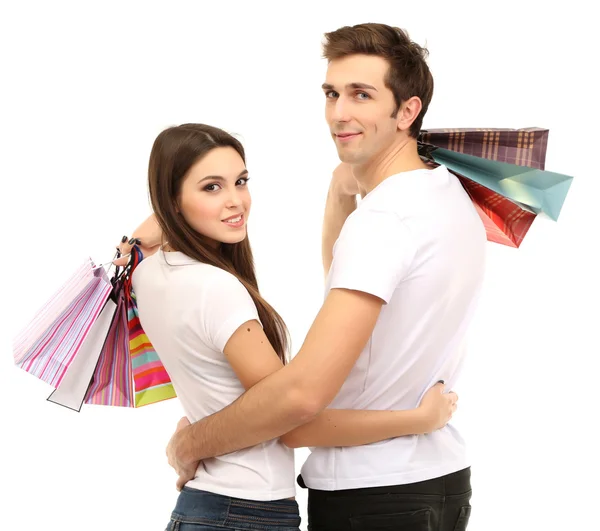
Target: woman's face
214 197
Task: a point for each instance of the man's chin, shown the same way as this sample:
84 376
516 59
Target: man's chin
348 157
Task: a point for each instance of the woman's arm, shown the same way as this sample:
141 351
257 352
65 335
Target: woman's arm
252 358
355 427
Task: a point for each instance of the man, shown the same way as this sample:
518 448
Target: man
404 269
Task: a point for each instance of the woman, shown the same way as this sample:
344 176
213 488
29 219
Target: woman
201 308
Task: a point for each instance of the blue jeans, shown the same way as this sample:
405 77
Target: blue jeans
198 510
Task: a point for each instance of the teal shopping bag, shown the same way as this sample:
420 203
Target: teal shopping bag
540 190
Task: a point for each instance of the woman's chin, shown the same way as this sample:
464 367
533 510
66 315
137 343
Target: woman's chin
234 238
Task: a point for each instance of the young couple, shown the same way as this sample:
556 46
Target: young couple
403 272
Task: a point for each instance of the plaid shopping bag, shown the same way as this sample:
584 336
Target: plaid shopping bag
524 147
502 170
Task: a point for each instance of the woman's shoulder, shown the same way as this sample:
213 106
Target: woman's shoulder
179 271
197 276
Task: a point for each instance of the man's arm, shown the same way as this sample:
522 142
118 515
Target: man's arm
334 427
341 202
293 395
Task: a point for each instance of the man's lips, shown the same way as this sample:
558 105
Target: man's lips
346 137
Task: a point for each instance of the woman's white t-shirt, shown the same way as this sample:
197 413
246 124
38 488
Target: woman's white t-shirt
189 310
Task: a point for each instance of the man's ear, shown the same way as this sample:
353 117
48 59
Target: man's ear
408 112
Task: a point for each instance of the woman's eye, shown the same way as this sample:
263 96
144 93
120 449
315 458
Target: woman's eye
243 181
211 187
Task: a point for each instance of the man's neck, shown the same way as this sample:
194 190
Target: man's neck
402 156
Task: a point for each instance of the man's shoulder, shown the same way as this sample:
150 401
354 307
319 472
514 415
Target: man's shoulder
374 216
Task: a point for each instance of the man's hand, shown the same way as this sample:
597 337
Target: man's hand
149 236
343 180
185 471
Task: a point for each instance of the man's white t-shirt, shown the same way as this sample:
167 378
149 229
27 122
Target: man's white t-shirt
417 242
189 310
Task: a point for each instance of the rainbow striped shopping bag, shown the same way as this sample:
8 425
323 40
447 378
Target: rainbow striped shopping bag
151 381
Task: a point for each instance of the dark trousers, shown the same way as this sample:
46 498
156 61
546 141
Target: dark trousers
440 504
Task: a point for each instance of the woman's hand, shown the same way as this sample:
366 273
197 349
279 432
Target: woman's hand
437 407
148 237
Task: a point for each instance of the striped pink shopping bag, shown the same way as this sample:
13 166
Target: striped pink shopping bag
88 343
112 381
49 345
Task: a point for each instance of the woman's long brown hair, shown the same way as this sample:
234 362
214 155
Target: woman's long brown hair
174 152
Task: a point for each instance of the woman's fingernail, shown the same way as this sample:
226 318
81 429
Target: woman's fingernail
132 241
441 381
123 239
138 241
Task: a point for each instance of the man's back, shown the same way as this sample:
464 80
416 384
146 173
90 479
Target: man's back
416 242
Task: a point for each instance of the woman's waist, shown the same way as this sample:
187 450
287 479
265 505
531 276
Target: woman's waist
202 506
266 468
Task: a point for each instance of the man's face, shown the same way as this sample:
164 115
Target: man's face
359 107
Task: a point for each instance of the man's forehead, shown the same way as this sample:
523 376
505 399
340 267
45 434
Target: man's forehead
357 69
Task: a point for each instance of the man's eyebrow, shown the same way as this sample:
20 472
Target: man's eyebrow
355 85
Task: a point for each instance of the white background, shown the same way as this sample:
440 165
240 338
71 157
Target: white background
86 87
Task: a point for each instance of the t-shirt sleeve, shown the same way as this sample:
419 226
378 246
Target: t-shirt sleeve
373 254
223 307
